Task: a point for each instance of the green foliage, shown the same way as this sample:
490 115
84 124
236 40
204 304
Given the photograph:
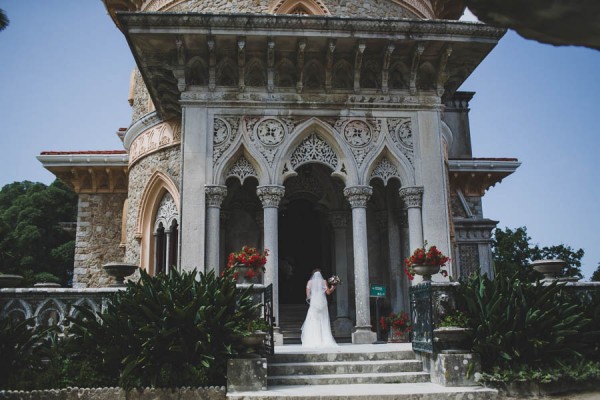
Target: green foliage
22 349
456 318
3 20
31 238
46 277
512 253
519 323
166 331
596 274
576 371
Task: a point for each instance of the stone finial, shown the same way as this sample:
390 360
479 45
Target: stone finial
270 196
412 196
358 195
215 194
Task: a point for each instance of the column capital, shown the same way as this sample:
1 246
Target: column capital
215 194
412 196
270 196
339 219
358 195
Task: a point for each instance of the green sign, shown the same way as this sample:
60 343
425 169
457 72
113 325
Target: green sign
378 290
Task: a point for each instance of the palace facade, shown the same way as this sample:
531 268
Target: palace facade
330 132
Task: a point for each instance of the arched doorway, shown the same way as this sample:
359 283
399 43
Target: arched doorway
303 246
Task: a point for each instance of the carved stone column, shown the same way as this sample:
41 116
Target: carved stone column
215 194
339 221
270 196
224 217
357 197
412 196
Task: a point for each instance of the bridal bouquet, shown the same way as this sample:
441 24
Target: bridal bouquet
334 280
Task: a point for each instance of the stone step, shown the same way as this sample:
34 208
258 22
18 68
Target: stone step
400 391
346 379
281 358
344 367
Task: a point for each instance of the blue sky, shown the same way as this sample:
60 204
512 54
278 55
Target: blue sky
64 78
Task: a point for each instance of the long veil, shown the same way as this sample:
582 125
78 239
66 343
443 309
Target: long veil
317 291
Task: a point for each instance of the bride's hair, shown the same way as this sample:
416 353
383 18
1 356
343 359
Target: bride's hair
315 270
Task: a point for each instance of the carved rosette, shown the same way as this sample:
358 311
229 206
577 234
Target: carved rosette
385 170
313 148
360 135
270 196
400 130
225 130
266 134
412 196
158 137
358 195
215 194
339 219
241 169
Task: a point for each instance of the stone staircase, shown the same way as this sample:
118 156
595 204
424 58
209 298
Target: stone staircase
291 318
336 368
389 371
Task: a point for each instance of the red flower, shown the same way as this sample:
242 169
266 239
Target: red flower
250 257
424 256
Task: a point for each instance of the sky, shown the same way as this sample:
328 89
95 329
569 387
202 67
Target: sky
64 81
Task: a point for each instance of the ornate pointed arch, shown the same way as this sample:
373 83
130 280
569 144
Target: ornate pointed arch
158 184
241 164
388 164
315 141
313 7
255 73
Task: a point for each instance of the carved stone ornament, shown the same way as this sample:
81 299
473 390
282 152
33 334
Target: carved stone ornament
400 130
153 139
221 131
215 194
270 196
242 169
357 133
225 130
270 132
167 212
313 148
385 170
358 195
412 196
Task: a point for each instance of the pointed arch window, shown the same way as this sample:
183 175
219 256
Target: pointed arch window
166 235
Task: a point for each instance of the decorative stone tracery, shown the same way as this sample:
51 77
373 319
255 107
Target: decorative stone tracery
225 130
167 211
313 148
385 170
242 169
400 130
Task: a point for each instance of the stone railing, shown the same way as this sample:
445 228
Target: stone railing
51 306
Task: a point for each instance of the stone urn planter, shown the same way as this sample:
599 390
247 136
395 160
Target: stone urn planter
551 269
451 339
119 271
10 281
253 342
46 285
395 336
426 271
241 271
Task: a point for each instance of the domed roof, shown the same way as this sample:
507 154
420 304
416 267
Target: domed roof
413 9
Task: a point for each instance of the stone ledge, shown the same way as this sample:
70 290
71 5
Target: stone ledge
207 393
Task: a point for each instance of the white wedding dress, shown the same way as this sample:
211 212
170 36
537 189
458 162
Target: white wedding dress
316 330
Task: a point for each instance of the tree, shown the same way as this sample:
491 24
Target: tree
31 237
512 253
3 20
596 274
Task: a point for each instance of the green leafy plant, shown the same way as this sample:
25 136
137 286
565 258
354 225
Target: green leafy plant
456 318
520 323
257 324
166 331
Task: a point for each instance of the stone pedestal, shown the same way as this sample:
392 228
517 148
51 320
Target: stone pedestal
455 369
246 374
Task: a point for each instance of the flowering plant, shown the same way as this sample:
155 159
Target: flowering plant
334 280
399 322
423 256
249 257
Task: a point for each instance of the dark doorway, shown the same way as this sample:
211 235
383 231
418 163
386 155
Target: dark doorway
302 242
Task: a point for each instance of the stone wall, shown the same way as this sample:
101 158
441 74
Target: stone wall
167 161
367 8
209 393
141 98
98 237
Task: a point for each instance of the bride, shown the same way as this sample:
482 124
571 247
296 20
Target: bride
316 330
